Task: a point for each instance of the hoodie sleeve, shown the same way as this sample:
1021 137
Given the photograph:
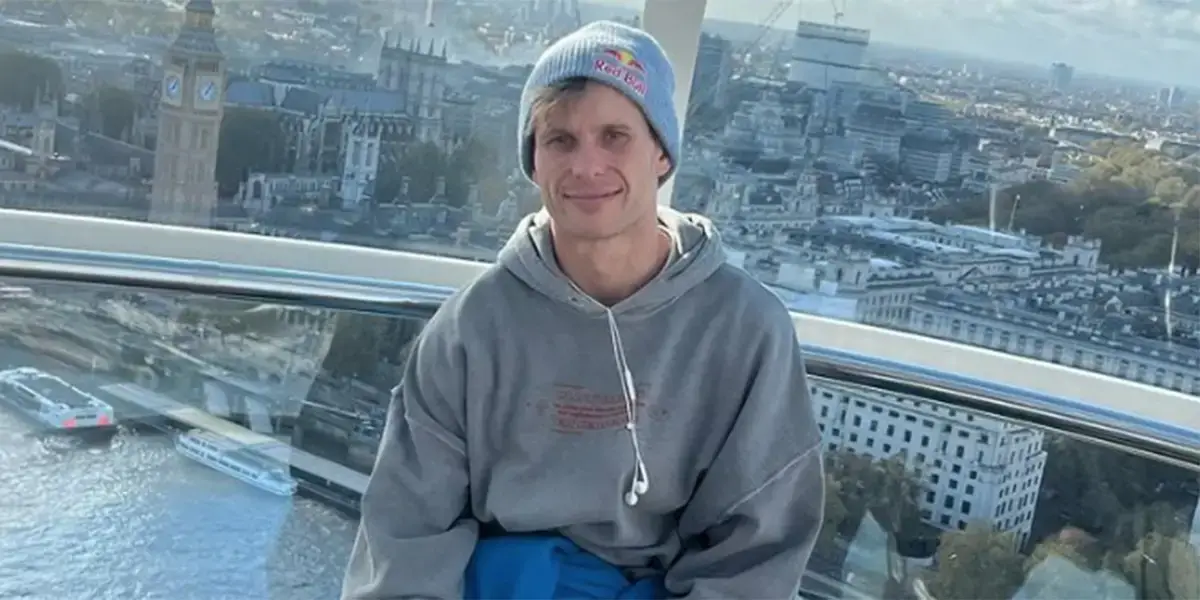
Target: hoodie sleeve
413 538
754 518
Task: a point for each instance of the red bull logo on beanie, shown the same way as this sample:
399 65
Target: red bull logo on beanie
626 58
624 66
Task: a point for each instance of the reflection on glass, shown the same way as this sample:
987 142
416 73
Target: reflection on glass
238 436
942 503
244 434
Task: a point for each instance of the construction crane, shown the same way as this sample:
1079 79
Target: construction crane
764 28
838 12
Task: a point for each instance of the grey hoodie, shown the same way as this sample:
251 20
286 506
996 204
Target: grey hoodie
529 407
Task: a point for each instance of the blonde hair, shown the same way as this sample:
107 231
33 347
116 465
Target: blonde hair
549 98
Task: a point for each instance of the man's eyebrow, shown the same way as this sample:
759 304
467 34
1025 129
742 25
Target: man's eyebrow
554 131
618 125
551 131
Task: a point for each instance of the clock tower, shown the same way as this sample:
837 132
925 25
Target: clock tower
192 97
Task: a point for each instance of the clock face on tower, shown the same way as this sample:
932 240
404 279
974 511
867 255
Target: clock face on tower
208 91
172 90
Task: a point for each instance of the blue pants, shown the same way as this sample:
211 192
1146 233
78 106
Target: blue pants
548 568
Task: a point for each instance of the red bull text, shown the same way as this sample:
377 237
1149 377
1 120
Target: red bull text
627 69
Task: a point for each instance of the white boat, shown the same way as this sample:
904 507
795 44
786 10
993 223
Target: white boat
228 457
53 402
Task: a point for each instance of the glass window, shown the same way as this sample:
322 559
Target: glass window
1064 517
293 401
947 191
249 490
943 191
1027 185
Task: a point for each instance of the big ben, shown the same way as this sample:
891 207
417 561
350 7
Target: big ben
184 190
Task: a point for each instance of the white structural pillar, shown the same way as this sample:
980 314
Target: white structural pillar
676 25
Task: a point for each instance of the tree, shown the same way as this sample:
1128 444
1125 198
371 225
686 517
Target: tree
852 474
1076 490
1169 191
978 563
422 163
1071 565
894 498
467 165
111 110
1164 567
885 487
857 485
1115 495
24 76
251 140
1131 199
472 163
835 512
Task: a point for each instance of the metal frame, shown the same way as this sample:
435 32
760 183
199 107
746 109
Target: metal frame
249 283
83 243
1133 429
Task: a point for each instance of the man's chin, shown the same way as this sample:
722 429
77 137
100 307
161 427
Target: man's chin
581 228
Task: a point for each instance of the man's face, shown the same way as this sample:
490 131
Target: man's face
597 164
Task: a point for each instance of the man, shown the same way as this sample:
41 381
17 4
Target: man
610 380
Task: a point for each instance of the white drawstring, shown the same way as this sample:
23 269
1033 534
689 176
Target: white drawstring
639 484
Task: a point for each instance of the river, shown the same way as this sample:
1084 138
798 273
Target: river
125 517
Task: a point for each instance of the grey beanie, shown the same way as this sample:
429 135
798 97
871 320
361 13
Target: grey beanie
629 60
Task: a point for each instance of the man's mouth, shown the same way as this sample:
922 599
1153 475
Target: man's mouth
592 195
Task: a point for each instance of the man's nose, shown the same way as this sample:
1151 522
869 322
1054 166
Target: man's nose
588 160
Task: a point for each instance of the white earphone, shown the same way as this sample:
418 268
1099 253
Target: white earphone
639 484
636 489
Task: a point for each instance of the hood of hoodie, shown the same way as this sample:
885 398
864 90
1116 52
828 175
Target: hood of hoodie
529 255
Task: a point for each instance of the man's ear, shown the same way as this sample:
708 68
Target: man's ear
663 164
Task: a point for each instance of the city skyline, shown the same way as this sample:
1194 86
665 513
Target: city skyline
1009 236
1149 40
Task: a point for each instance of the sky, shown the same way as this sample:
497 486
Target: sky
1156 39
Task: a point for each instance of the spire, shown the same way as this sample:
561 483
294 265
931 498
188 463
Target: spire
197 36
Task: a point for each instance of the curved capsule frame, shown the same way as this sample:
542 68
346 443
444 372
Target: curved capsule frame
1130 415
